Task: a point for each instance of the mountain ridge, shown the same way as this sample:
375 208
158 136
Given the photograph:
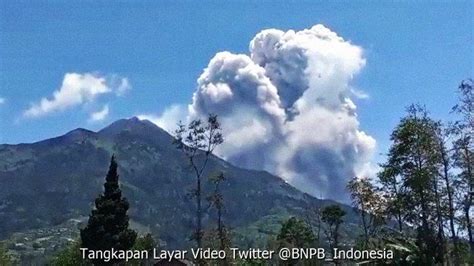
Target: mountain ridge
53 180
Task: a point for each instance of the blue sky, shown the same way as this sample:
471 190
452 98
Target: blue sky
416 51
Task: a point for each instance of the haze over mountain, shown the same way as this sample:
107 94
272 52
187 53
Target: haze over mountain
46 183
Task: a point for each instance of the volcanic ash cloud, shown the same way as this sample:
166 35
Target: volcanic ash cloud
286 108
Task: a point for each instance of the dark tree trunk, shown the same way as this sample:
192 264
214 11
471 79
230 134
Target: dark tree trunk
198 213
469 198
449 191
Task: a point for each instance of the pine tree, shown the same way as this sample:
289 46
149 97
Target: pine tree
108 223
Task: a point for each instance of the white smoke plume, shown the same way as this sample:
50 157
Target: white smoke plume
286 108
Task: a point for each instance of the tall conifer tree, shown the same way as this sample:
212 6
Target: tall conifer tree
108 223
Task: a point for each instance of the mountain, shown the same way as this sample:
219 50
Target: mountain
48 183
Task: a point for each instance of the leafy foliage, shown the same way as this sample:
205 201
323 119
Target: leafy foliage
216 200
413 160
194 139
5 258
463 130
333 215
295 233
70 256
145 242
370 205
427 181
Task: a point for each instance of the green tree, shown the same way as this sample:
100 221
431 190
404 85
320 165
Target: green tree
463 130
369 204
108 223
216 200
197 141
313 218
394 192
145 242
5 258
443 134
413 160
69 256
333 215
295 233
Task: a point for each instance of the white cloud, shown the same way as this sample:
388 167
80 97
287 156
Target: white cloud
100 115
168 119
77 89
123 86
359 94
286 108
2 100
